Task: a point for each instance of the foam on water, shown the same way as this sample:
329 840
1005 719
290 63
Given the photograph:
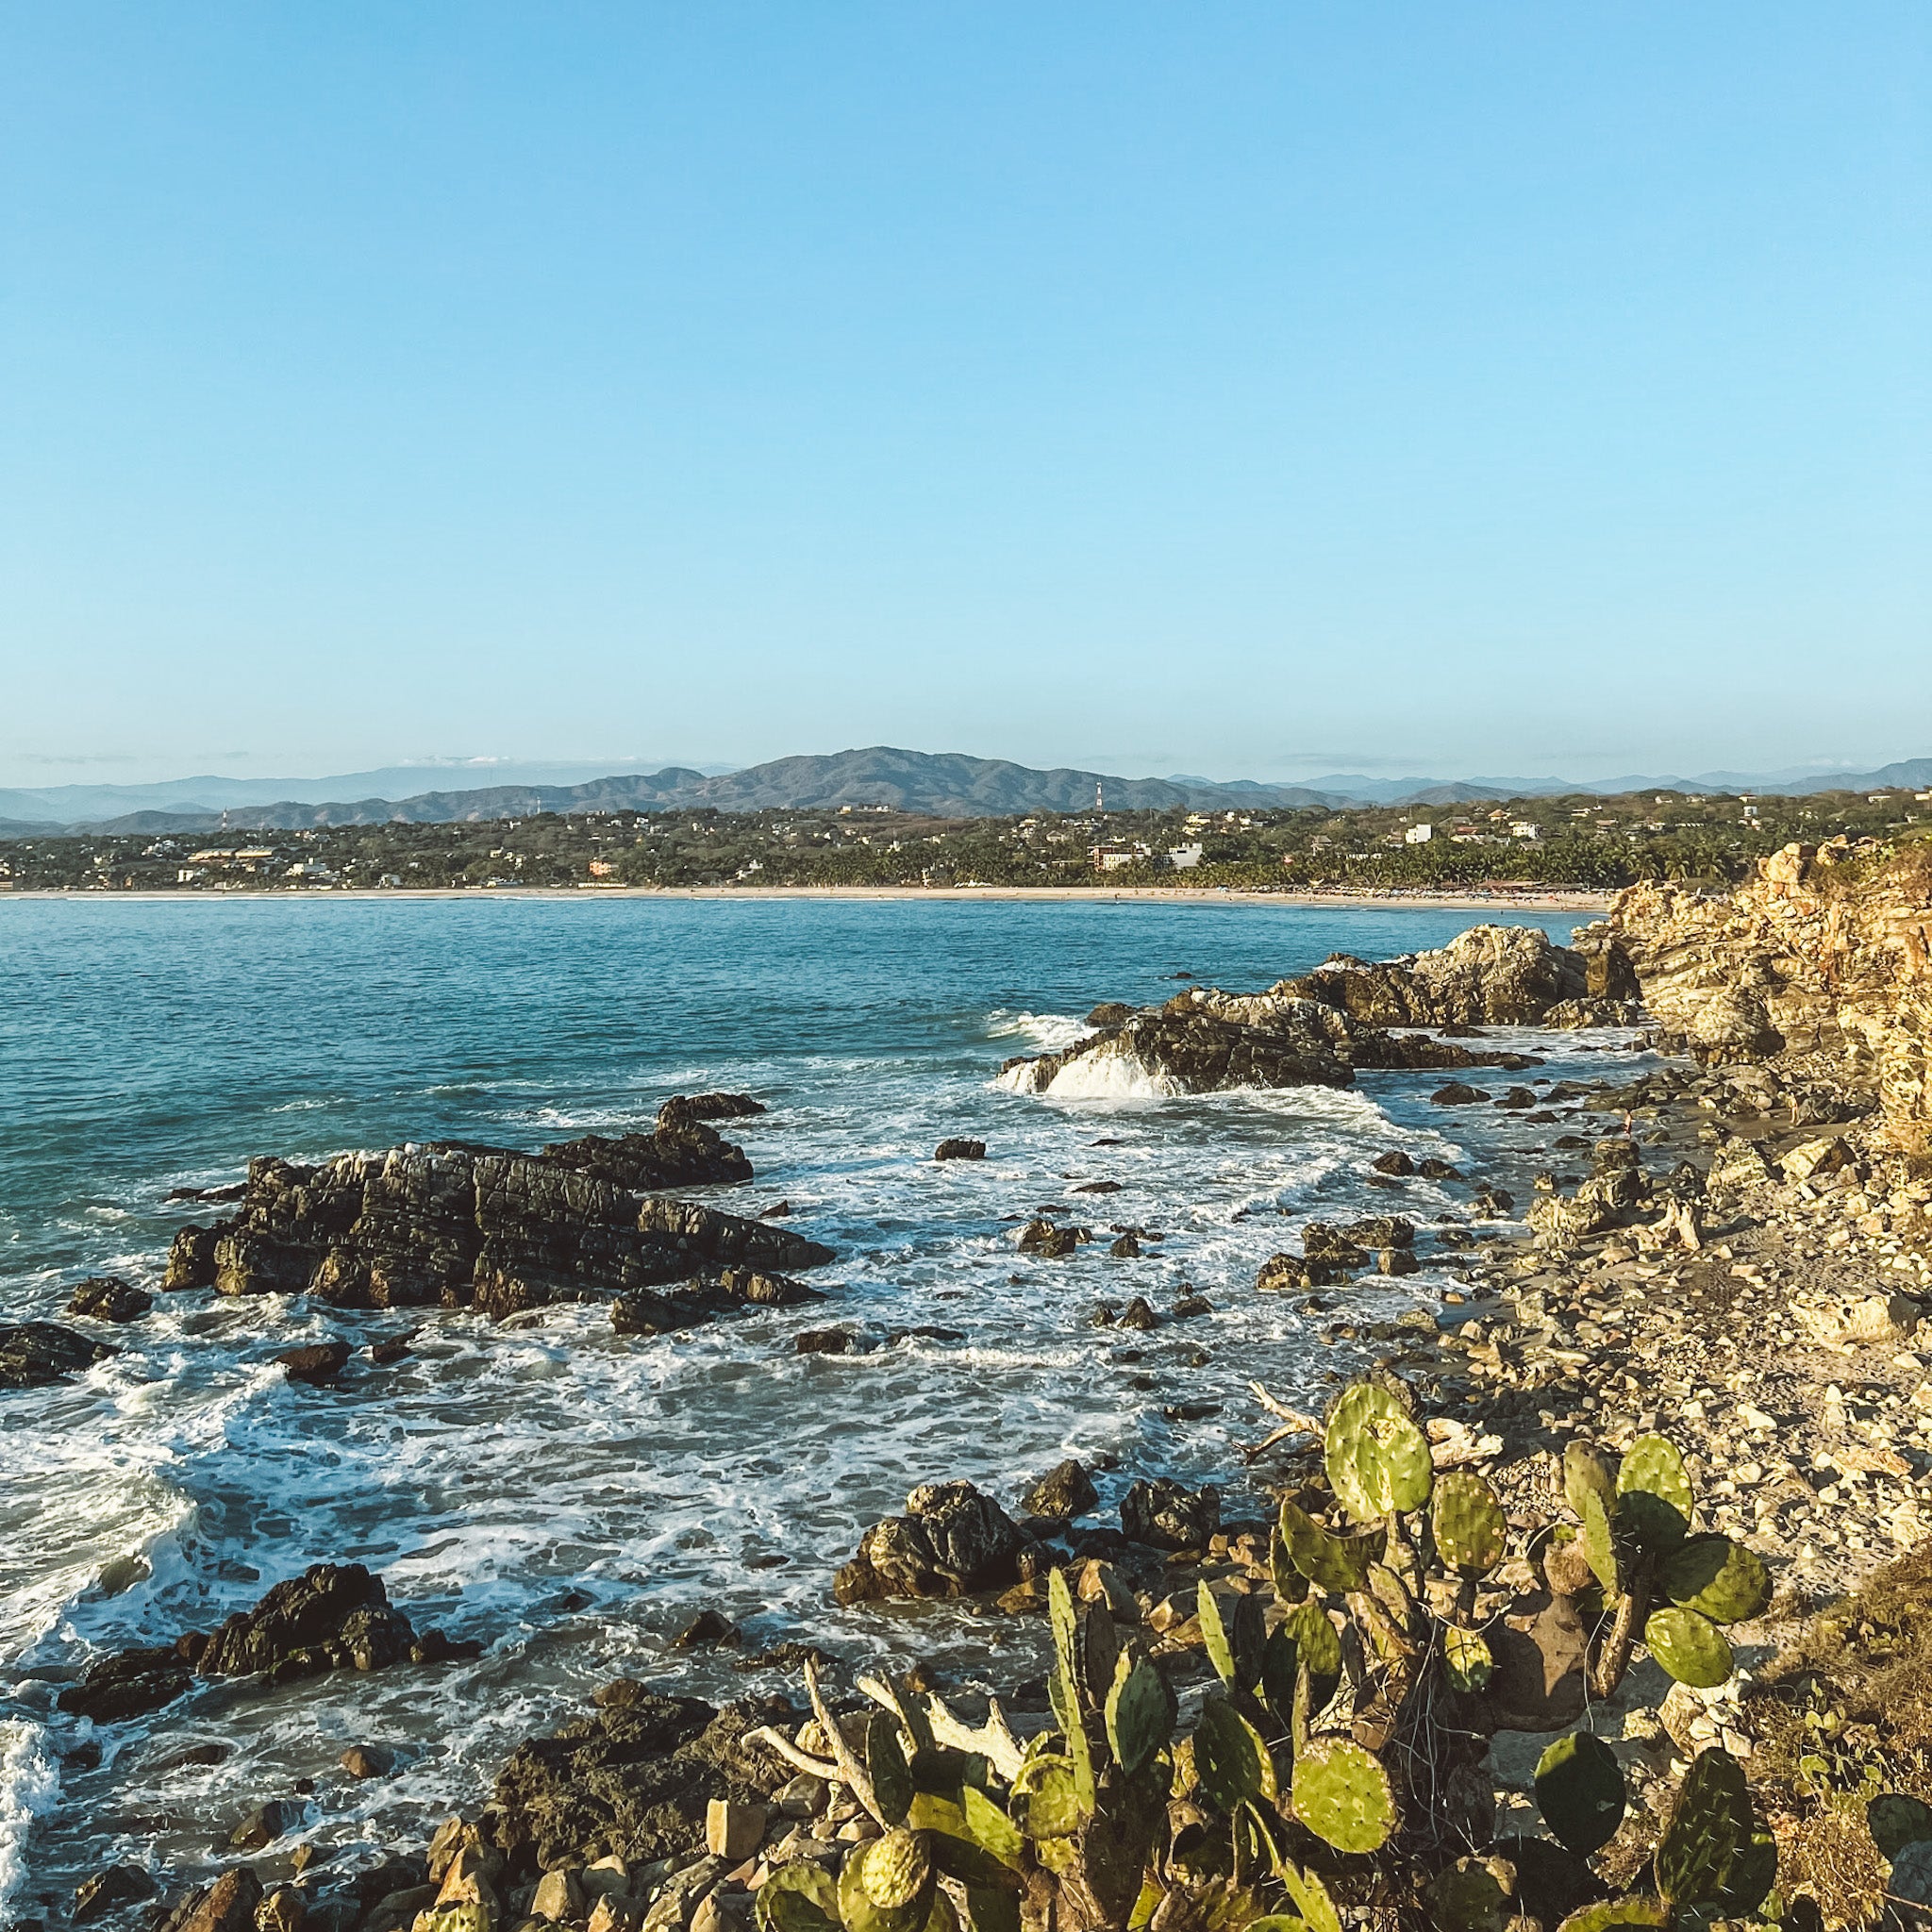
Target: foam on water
569 1495
30 1784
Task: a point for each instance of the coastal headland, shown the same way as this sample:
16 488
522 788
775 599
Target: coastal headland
1611 1549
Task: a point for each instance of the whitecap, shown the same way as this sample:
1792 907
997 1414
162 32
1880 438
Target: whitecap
29 1788
1050 1032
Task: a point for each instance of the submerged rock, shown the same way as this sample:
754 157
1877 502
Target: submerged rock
33 1354
959 1148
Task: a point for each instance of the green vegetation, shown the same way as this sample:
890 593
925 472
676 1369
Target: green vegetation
1574 841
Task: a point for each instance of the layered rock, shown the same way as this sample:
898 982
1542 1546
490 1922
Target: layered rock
460 1225
1823 961
1321 1029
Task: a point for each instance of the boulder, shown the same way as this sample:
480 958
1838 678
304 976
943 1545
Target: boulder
33 1354
1395 1163
1382 1231
959 1148
315 1362
1458 1094
107 1298
1168 1515
720 1107
129 1683
229 1905
632 1782
108 1891
954 1540
191 1259
1065 1492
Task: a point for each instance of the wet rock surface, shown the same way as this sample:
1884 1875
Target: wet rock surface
953 1541
33 1354
107 1298
459 1226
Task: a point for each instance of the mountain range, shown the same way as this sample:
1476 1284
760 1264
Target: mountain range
945 784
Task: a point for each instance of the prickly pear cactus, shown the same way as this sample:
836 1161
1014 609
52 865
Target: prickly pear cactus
1709 1820
1330 1563
1584 1470
1600 1543
1611 1912
1377 1459
1140 1715
1470 1530
1716 1578
1230 1761
1469 1659
1580 1789
1896 1821
1691 1648
1343 1795
1467 1896
884 1764
1653 1493
798 1897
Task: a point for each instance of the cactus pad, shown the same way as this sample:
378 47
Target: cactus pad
1580 1787
1066 1634
1653 1493
1339 1563
1470 1534
1468 1658
1139 1715
1609 1912
1317 1643
798 1897
1896 1821
1467 1897
884 1764
1709 1819
1048 1799
1377 1459
1691 1648
895 1869
1343 1795
1600 1545
1310 1896
1230 1761
1584 1470
1716 1578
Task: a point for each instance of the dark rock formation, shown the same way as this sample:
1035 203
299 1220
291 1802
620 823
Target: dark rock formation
958 1148
644 1311
229 1905
109 1890
1065 1492
953 1541
722 1107
130 1683
107 1298
460 1225
35 1353
315 1362
1170 1516
632 1778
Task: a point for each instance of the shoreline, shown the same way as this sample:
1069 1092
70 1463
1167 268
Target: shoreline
1550 900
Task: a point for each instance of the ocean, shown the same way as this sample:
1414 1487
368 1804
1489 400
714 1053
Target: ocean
570 1496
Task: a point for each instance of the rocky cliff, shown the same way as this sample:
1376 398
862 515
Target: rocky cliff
1818 970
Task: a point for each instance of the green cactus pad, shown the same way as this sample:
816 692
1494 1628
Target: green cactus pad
1066 1633
1471 1533
1339 1563
990 1826
895 1869
1290 1586
1580 1787
1896 1821
1551 1882
884 1764
798 1897
1343 1795
1691 1648
1316 1639
1600 1545
1469 1659
1609 1912
1585 1471
1214 1633
1911 1875
1230 1761
1310 1897
860 1912
1048 1801
1709 1819
1716 1578
1653 1493
1139 1715
1467 1897
1377 1459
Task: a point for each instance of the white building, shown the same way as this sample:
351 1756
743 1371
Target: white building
1184 857
1418 835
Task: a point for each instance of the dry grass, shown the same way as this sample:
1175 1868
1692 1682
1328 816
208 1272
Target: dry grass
1844 1712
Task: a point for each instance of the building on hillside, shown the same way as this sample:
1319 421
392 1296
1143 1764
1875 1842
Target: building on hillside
1418 835
1111 857
1185 857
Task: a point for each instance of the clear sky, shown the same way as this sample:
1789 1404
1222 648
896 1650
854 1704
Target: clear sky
1244 390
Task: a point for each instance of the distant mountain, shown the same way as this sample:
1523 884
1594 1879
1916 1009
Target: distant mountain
945 784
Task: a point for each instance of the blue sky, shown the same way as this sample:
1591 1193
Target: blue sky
1246 390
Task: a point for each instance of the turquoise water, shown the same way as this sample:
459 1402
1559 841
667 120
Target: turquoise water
568 1496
